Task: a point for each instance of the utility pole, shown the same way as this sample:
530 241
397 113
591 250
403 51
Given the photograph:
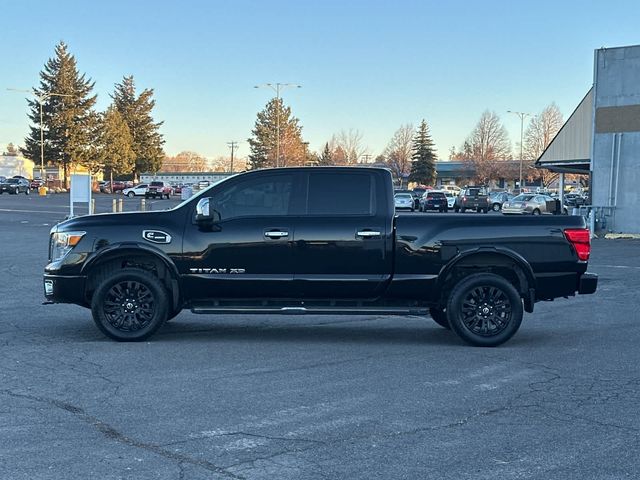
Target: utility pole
40 99
366 157
522 116
276 88
232 146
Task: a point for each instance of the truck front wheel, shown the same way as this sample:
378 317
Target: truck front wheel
484 309
130 305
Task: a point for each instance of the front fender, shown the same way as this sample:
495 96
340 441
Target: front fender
128 248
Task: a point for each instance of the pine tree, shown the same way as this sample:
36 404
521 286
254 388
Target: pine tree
147 141
423 168
68 117
264 144
326 157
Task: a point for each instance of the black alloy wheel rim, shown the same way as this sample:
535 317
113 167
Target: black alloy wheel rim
486 311
129 306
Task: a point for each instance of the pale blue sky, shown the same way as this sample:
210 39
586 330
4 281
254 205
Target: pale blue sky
367 65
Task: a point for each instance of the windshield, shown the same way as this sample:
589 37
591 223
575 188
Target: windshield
202 192
12 180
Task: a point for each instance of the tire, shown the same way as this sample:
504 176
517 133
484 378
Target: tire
496 207
440 317
147 300
27 192
456 209
478 210
131 194
485 210
462 209
535 212
499 310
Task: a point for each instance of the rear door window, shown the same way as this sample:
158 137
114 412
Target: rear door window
340 193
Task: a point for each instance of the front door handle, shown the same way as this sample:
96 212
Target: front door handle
367 234
276 234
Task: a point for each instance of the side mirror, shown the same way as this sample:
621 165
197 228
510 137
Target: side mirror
204 213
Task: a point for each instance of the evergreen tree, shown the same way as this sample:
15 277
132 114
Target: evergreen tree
264 144
68 117
423 159
326 157
147 141
115 144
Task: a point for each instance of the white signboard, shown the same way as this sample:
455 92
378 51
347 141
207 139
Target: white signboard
80 191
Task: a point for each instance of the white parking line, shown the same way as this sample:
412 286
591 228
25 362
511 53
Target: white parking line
26 211
615 266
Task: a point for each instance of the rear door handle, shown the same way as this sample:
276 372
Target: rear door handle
367 234
276 234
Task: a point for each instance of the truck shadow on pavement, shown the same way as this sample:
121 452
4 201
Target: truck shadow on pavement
321 332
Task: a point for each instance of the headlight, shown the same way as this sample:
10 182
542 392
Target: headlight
62 243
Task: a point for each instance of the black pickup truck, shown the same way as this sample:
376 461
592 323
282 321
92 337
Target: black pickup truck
314 240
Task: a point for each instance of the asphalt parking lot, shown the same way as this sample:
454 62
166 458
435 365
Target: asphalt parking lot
313 397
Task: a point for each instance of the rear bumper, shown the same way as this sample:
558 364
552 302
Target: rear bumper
65 289
588 283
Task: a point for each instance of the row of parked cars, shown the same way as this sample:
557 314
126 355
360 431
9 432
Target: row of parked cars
155 189
478 199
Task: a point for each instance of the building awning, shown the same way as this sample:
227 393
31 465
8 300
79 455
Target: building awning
570 149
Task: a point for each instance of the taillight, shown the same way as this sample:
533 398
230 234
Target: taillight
580 238
464 199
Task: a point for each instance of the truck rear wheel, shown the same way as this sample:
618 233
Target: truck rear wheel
440 317
130 305
485 310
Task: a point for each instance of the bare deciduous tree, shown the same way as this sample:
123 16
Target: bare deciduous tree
487 146
399 150
185 162
541 131
347 143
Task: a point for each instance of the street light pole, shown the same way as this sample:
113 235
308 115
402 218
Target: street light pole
41 99
276 88
522 116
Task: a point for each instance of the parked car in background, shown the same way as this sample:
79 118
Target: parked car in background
417 195
118 186
496 199
531 204
137 191
404 201
574 200
451 198
434 200
158 190
36 183
15 186
202 184
177 188
472 198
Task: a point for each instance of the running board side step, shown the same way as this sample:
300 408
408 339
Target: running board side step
202 309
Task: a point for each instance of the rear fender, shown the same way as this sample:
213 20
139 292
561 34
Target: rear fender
492 257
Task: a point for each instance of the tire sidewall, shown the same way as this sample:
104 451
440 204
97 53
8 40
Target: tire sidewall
155 287
454 313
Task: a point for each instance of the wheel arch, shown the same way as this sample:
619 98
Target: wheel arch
133 255
501 261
